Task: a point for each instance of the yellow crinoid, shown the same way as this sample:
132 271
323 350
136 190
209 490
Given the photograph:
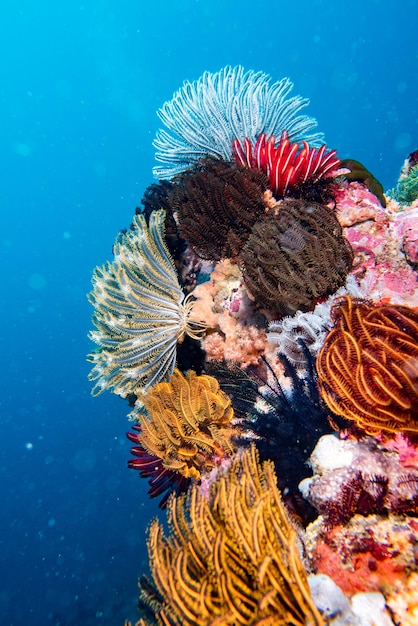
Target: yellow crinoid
140 312
186 423
231 557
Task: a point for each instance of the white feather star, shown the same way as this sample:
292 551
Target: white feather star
204 117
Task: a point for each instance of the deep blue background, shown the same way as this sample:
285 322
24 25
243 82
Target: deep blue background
79 87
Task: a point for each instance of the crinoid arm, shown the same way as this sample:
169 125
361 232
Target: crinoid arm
231 556
205 116
140 312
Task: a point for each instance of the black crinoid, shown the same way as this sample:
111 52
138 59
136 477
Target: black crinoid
295 257
322 190
288 430
216 204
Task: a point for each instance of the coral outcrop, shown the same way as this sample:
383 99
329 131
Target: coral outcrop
363 476
265 295
384 242
370 553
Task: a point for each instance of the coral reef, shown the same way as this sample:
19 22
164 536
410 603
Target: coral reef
216 204
264 296
384 244
295 257
286 164
186 423
370 553
368 366
140 312
358 477
205 116
231 557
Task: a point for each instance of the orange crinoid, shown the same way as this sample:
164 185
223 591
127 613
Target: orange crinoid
368 366
187 423
231 557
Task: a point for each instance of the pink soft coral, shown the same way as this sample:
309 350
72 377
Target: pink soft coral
384 243
224 304
225 292
235 342
406 449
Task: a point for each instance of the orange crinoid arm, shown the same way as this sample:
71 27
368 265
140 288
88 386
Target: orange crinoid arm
231 557
368 366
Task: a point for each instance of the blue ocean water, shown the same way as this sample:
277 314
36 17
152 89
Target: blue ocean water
80 85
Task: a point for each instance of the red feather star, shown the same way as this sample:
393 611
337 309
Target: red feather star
286 164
